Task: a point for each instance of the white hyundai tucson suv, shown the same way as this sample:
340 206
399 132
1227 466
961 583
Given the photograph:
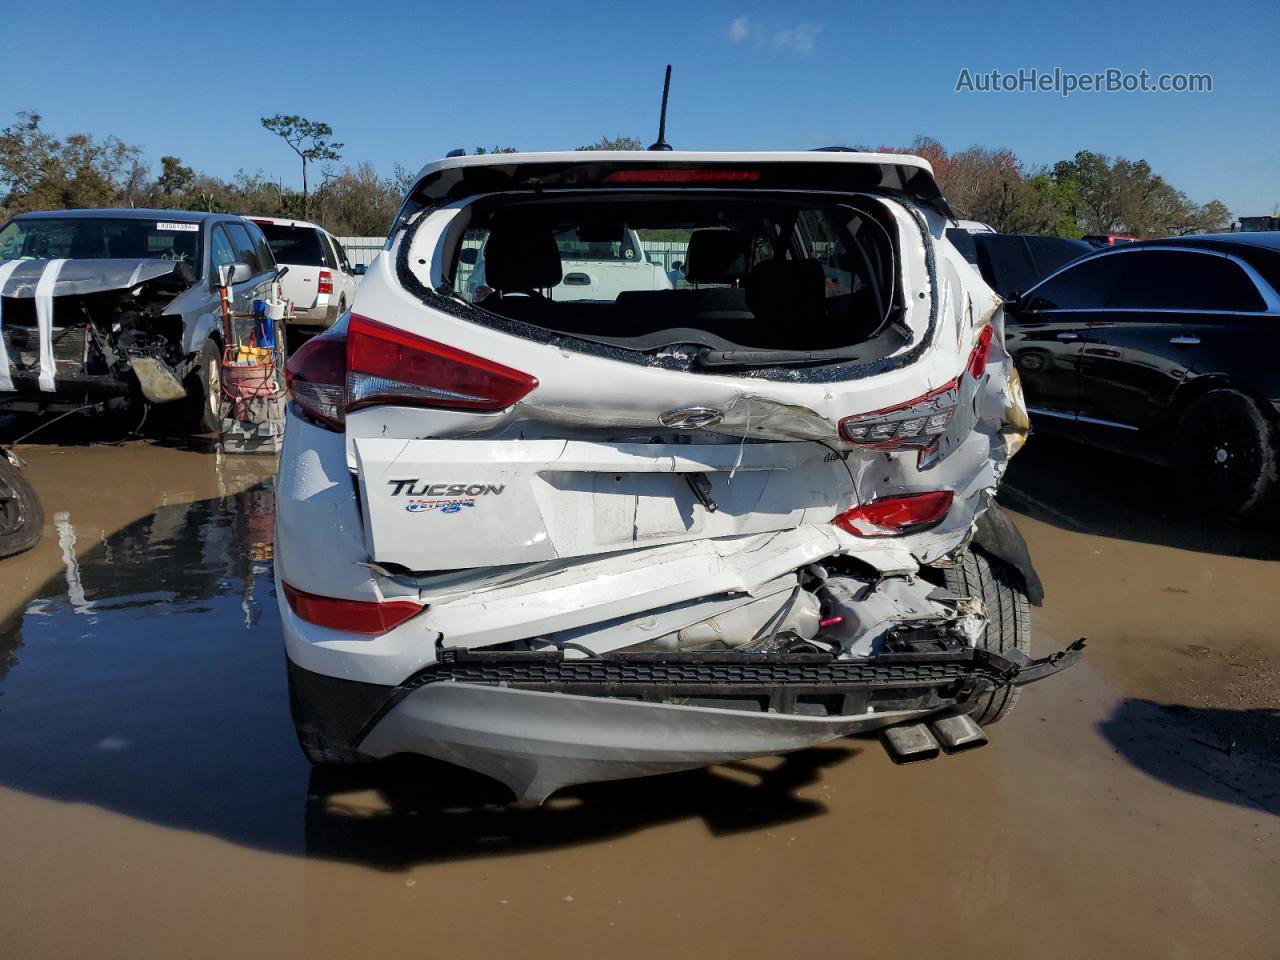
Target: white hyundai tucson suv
558 540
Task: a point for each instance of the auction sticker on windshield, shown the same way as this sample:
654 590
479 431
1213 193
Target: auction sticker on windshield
191 227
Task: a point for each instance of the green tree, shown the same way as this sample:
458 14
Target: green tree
614 143
357 202
40 172
309 139
479 151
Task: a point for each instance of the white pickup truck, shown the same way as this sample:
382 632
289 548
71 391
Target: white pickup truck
321 281
598 268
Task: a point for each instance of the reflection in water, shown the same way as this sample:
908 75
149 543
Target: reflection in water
148 678
67 544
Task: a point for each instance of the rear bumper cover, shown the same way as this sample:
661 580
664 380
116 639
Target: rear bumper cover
538 722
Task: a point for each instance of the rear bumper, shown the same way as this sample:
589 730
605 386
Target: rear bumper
538 722
322 317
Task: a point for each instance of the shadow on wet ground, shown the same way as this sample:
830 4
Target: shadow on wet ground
411 810
1086 490
148 679
1227 755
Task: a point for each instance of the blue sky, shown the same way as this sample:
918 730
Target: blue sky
407 82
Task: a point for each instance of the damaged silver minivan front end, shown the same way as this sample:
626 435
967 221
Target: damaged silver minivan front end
557 538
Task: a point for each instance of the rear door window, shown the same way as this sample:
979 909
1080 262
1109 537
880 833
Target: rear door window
222 253
1184 280
1084 286
265 256
243 246
343 260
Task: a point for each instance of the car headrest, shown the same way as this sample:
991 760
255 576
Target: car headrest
521 255
787 290
714 256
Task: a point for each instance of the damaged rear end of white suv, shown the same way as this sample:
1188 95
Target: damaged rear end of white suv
557 539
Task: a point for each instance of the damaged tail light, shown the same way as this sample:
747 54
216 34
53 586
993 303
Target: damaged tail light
374 363
917 423
316 378
351 616
896 516
325 284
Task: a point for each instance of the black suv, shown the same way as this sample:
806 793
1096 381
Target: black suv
1165 349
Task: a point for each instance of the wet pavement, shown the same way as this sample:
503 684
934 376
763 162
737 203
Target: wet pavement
153 802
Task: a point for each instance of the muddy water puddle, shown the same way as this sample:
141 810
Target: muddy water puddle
153 801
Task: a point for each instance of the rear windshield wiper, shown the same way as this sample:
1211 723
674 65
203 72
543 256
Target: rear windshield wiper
772 358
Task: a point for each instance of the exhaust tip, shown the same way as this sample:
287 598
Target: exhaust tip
909 744
958 733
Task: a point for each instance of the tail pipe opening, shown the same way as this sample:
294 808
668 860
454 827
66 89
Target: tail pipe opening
909 743
958 733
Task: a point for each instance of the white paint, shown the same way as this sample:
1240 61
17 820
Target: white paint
44 320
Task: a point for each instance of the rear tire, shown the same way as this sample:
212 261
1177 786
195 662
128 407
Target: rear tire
1224 449
21 513
999 587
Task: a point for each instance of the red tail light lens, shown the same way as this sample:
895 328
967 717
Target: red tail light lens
895 516
387 365
352 616
372 363
316 376
326 282
977 365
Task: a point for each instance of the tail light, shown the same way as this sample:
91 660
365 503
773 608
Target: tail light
379 364
326 282
316 377
895 516
352 616
917 423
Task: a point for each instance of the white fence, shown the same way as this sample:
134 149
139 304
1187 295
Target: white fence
362 250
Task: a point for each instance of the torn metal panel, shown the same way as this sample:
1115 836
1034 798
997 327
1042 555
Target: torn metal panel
93 327
82 277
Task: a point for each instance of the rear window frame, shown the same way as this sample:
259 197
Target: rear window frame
445 301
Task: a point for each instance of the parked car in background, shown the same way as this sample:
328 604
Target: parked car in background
321 281
116 306
1164 349
1011 262
598 262
1109 239
564 540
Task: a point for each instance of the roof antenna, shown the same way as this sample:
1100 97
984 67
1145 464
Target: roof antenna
661 143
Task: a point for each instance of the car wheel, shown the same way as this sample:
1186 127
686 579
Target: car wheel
1004 598
21 514
1224 449
204 391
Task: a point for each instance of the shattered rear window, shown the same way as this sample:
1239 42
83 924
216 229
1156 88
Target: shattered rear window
764 271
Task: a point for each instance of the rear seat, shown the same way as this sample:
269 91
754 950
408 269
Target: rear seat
779 299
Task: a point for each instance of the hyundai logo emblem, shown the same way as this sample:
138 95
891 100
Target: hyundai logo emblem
691 418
